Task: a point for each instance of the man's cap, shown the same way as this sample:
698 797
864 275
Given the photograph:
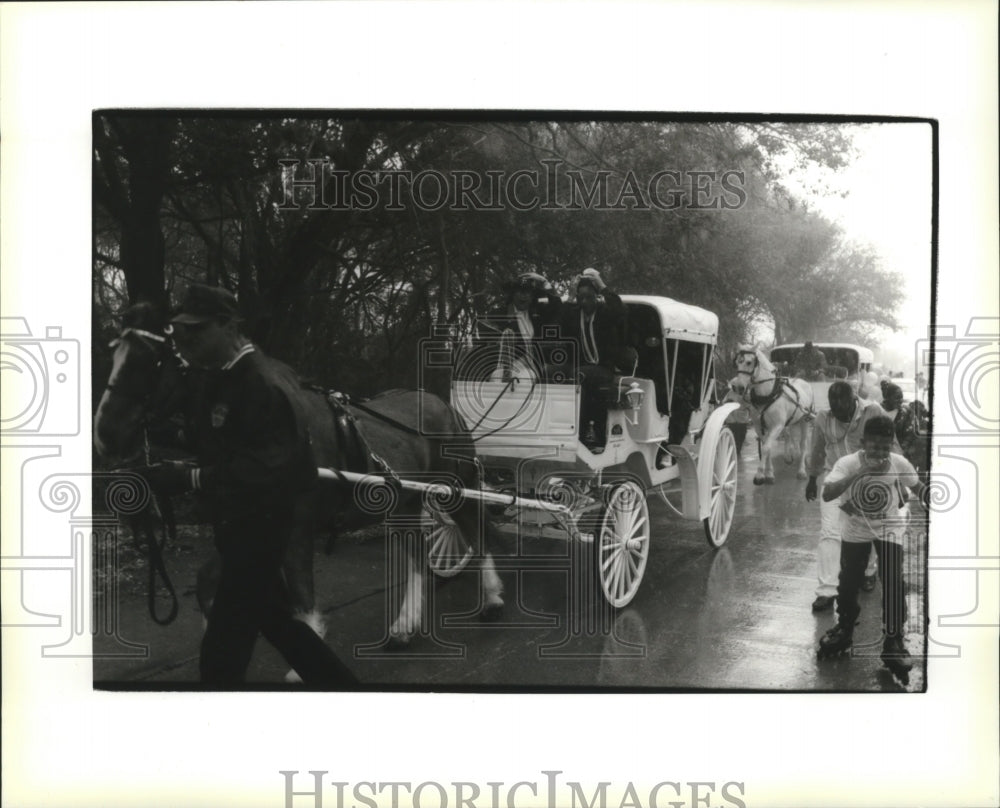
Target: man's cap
202 303
892 391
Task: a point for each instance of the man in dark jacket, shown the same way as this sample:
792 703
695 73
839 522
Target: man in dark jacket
254 462
597 327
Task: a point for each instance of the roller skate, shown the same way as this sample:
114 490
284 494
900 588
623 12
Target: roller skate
897 659
838 640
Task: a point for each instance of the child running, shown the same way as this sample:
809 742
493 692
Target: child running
870 486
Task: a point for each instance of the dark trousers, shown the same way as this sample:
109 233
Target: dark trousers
595 393
853 561
252 599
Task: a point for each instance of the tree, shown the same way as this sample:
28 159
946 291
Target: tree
346 291
131 167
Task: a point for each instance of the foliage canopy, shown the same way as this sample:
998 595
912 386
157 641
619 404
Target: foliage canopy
343 286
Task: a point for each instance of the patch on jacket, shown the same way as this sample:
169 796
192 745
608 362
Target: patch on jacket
219 413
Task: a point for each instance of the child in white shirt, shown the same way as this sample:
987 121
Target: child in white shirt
871 487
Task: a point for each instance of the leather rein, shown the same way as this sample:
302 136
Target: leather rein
160 512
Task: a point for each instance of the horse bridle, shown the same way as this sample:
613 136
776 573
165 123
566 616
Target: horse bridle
749 373
144 522
145 337
162 347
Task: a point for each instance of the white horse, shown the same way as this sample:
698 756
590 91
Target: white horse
776 405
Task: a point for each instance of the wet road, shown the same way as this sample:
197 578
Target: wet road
737 618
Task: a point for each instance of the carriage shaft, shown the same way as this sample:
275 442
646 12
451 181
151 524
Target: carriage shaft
444 490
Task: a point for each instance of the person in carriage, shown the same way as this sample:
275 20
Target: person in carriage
254 464
810 363
531 307
595 323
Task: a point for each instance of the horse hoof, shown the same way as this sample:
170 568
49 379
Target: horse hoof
491 613
802 476
758 480
397 642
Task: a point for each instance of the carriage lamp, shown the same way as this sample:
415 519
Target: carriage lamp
634 397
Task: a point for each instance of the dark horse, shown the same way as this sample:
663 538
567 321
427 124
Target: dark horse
413 434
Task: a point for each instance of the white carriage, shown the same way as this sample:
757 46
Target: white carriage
845 361
665 433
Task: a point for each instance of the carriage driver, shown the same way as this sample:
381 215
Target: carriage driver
810 362
254 462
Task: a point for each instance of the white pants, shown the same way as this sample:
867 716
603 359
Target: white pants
828 552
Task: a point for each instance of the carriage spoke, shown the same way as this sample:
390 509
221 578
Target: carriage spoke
445 544
624 546
612 555
616 575
629 519
632 566
439 542
448 553
722 490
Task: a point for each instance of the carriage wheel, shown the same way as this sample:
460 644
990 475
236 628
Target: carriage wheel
448 551
622 544
722 494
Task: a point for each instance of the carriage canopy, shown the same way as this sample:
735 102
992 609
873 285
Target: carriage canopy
679 320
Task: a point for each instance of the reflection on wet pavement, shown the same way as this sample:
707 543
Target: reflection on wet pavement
736 618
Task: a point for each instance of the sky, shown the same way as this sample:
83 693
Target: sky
888 205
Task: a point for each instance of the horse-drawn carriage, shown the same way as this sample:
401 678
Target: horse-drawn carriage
782 400
843 361
665 433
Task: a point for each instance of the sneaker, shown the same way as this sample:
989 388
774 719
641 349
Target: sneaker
823 603
869 584
837 640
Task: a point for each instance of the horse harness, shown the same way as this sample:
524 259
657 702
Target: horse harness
781 387
358 453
